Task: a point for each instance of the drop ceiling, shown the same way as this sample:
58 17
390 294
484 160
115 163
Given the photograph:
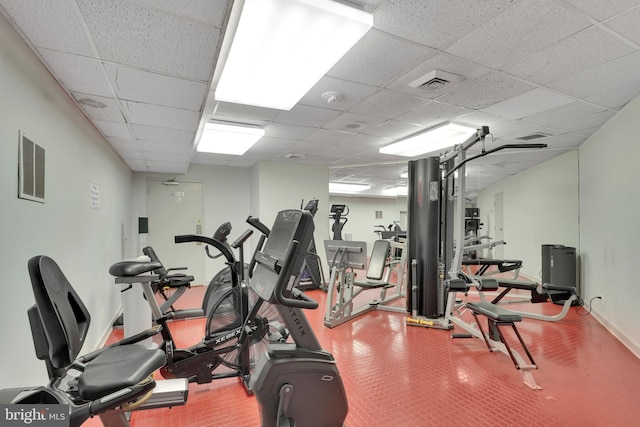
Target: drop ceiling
143 72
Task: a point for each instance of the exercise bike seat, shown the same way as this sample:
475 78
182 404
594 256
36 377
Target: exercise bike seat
132 268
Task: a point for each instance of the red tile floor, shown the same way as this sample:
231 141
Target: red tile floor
403 376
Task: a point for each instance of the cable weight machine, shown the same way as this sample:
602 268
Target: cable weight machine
436 227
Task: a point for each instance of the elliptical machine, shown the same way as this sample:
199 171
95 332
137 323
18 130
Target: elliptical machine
296 383
338 214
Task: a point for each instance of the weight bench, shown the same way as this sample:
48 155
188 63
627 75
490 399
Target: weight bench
496 316
344 288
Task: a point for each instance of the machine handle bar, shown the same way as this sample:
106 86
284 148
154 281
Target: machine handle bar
243 238
300 300
226 252
255 222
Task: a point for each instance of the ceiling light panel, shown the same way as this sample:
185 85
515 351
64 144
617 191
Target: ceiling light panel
281 48
347 188
446 135
228 139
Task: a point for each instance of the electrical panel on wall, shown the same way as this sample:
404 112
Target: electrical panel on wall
30 169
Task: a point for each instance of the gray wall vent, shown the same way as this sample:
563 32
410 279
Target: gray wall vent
30 169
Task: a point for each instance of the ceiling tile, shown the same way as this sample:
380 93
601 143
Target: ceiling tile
267 144
486 90
182 157
571 117
347 149
156 115
529 24
162 134
242 162
572 55
388 103
528 103
394 129
325 136
52 25
627 25
447 20
307 116
163 147
603 9
566 140
352 93
126 147
615 98
136 165
306 147
151 88
99 107
281 130
196 10
167 167
154 40
368 141
348 122
110 129
431 114
379 58
78 73
610 76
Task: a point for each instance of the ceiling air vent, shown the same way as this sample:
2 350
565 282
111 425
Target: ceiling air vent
436 79
294 156
536 135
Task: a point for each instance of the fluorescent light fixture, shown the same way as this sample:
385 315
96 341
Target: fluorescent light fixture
400 190
436 138
221 138
281 48
345 188
404 175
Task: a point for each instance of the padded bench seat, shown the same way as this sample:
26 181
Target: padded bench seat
503 265
494 312
496 317
118 368
373 285
517 284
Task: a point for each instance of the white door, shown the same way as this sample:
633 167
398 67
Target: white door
172 210
498 251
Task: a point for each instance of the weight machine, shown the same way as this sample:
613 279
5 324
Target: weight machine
346 256
436 247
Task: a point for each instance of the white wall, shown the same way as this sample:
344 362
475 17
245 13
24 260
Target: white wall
609 225
227 193
83 241
282 185
540 207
